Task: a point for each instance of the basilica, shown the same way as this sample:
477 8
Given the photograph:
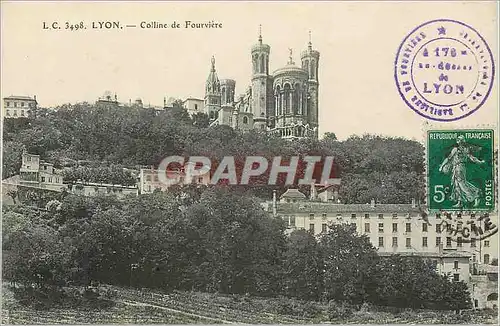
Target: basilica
284 102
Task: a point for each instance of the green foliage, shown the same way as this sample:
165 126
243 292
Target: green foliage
303 267
133 137
413 282
12 158
349 263
108 175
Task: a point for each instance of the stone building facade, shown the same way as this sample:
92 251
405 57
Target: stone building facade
18 106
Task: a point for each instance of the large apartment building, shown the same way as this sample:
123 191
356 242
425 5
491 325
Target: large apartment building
403 229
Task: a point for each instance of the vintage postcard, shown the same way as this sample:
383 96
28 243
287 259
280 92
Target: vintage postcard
249 162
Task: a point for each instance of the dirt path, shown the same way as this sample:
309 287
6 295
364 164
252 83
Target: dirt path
137 303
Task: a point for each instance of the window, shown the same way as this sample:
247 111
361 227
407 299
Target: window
311 227
196 107
311 216
15 104
323 227
424 227
22 104
15 113
438 228
380 241
380 215
408 242
438 215
323 216
43 179
8 112
438 241
8 103
472 215
424 242
487 243
353 215
339 216
395 215
367 227
455 264
381 227
448 242
459 241
200 180
486 259
408 227
367 215
245 120
459 215
394 227
22 113
394 241
456 277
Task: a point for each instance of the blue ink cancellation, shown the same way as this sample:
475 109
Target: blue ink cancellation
444 70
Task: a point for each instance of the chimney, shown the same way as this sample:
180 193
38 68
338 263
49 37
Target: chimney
372 203
413 203
274 203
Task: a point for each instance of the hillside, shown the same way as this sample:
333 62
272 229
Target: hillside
153 307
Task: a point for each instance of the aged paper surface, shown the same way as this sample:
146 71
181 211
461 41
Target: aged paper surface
252 162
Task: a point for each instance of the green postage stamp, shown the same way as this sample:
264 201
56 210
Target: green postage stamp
460 170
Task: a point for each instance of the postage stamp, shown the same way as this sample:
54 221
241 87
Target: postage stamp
444 70
460 170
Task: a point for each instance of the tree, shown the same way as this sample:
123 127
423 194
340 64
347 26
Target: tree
12 158
349 263
330 136
201 120
303 267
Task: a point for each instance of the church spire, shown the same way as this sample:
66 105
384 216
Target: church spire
260 34
213 64
309 45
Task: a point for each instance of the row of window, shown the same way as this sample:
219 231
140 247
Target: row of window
49 179
155 178
22 113
381 215
22 104
449 241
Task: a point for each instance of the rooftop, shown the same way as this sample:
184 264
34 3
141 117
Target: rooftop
20 97
322 207
293 193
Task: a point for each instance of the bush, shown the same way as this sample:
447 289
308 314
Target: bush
339 310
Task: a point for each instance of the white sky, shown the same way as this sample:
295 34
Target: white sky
357 41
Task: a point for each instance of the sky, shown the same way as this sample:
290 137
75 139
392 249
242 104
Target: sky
357 42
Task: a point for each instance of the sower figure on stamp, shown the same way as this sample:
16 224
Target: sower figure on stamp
462 191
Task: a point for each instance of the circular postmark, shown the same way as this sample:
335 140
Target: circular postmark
468 230
444 70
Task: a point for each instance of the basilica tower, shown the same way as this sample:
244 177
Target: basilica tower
310 61
261 83
212 93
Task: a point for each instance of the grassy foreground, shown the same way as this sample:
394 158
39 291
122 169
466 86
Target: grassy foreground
126 306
